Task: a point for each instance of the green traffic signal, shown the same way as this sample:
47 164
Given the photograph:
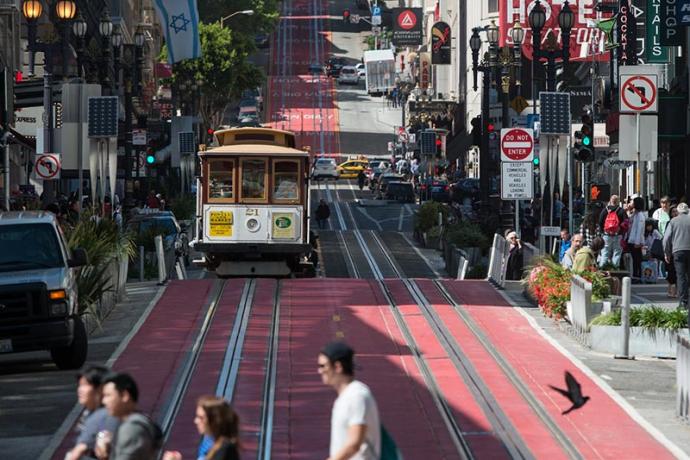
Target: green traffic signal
586 141
150 159
535 161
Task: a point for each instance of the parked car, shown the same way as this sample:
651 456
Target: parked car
400 191
350 169
386 179
324 167
333 66
38 289
348 74
361 70
152 222
436 190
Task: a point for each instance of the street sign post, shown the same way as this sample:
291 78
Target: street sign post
48 166
638 94
138 137
517 144
517 180
376 15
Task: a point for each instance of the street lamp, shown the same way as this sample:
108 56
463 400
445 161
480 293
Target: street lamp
245 12
537 20
79 29
105 28
32 9
65 9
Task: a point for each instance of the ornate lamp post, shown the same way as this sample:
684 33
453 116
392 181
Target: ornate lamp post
65 11
537 20
79 29
116 41
105 28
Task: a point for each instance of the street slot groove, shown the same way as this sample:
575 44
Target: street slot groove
268 400
233 352
508 434
566 444
456 434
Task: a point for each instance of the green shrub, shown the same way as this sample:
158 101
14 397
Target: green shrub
103 243
477 272
466 235
427 216
184 207
648 317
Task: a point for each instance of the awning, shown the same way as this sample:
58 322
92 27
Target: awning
22 140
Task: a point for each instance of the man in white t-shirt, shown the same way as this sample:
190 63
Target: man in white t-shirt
355 423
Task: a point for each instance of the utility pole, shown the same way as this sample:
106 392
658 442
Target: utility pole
4 133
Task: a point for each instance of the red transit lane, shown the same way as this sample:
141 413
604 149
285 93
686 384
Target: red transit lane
298 99
601 428
317 311
183 435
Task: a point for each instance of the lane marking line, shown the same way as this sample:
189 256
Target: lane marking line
613 394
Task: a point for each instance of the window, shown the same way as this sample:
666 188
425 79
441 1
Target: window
29 247
254 180
286 180
220 180
493 6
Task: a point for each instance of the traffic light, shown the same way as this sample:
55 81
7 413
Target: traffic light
209 140
535 160
346 15
584 139
150 156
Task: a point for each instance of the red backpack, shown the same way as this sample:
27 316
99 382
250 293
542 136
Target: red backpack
612 224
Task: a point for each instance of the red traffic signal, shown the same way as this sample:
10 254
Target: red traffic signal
346 15
210 131
490 127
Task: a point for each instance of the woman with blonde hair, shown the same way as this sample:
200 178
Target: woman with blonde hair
216 419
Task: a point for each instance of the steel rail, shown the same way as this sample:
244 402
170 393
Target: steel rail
565 442
481 393
187 370
233 352
456 434
349 262
269 393
391 261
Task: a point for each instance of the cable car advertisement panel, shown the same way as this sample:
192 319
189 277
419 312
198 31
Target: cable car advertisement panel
582 36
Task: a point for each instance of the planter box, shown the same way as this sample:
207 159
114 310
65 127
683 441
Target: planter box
660 343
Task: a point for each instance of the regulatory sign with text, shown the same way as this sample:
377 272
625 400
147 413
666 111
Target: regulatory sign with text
517 144
48 166
138 137
638 94
517 180
407 26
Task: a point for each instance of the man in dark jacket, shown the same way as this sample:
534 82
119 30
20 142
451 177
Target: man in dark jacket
323 212
677 250
612 234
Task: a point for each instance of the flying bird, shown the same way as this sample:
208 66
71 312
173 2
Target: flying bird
573 393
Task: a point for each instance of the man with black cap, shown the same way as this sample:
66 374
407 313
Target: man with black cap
355 423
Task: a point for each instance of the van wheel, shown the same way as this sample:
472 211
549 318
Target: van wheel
72 356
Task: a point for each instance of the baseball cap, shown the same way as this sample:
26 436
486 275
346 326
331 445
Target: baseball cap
338 351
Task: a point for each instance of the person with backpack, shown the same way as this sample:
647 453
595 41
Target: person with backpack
138 437
355 424
612 222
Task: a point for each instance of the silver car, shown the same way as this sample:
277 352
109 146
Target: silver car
325 167
348 74
38 289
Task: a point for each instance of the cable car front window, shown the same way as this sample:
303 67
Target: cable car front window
254 179
285 180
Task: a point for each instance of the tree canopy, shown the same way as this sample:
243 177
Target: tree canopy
223 70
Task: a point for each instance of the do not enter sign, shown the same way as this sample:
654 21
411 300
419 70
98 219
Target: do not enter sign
517 144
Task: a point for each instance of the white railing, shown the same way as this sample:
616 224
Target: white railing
580 311
497 261
683 376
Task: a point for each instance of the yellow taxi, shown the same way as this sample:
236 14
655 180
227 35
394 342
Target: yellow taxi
351 168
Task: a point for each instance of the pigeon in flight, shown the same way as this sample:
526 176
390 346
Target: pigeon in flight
573 393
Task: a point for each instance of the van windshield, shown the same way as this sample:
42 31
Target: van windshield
29 246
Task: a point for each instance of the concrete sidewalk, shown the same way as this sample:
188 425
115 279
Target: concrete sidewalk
647 384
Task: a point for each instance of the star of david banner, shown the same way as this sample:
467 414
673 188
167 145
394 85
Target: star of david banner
180 21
